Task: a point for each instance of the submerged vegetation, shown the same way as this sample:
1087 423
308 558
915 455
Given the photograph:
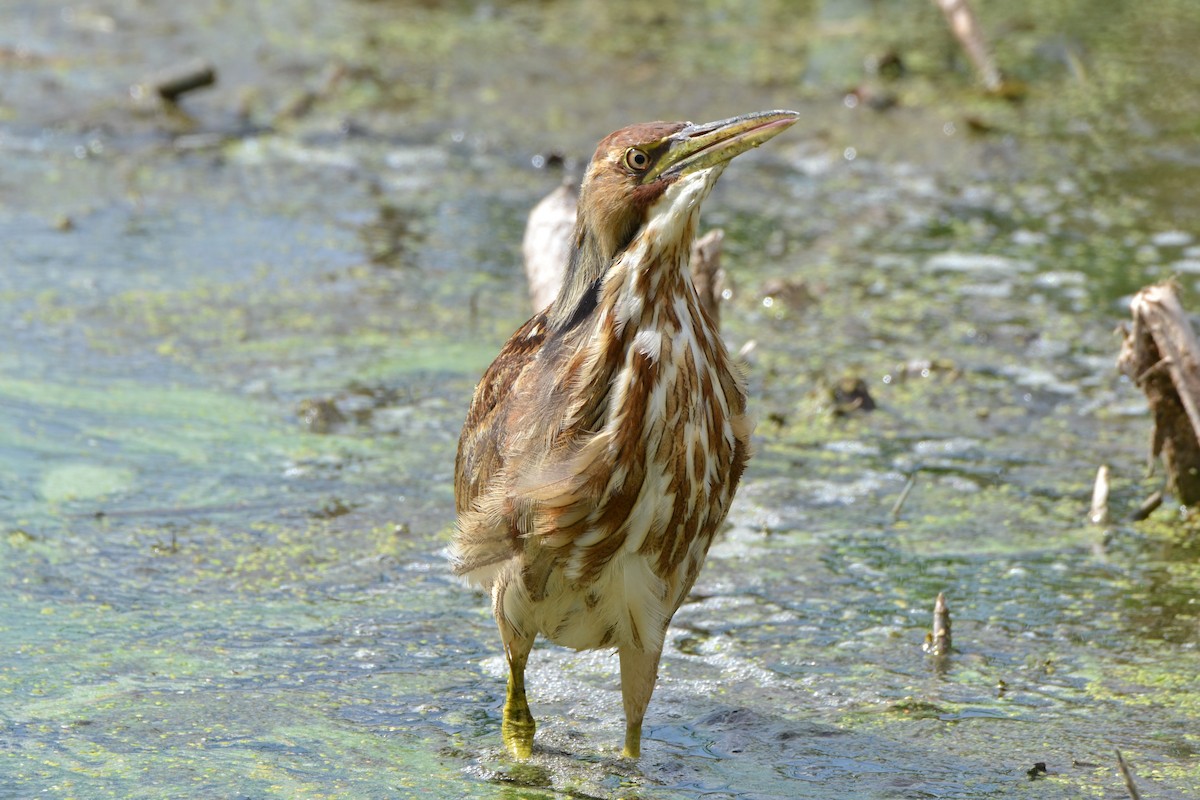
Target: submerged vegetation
240 335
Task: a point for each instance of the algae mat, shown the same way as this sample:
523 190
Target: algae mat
239 337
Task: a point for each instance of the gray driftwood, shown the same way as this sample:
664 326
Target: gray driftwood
1160 353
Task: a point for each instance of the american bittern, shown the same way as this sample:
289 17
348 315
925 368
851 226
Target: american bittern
604 444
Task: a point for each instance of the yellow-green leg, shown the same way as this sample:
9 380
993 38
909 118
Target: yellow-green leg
518 726
639 670
633 741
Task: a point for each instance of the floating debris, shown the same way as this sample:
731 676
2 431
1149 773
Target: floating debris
332 509
173 82
319 415
850 395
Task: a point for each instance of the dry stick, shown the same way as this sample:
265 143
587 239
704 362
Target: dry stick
908 487
1127 774
174 82
938 642
1098 515
1148 506
966 29
941 626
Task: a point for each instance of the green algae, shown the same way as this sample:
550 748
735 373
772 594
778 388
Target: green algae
205 598
159 695
83 481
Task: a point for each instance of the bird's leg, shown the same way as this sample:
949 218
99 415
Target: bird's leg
518 726
639 670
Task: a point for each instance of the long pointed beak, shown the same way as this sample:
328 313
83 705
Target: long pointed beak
698 147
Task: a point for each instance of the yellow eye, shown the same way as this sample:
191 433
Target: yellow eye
636 159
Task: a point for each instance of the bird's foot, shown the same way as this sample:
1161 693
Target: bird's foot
518 727
633 743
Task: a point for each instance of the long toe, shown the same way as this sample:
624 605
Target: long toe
518 729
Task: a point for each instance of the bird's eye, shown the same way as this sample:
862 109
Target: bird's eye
636 159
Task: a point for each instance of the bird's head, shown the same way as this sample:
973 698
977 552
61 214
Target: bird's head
629 174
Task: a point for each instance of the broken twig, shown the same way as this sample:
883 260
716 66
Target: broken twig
1162 355
938 643
1098 515
1148 506
1127 775
172 83
908 487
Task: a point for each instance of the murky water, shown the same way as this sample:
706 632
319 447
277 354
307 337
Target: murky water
238 341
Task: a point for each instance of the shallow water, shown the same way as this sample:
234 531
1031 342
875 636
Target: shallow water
239 340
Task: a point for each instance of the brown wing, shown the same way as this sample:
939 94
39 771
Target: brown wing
532 460
481 446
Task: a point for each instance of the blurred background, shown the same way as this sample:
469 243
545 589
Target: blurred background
254 256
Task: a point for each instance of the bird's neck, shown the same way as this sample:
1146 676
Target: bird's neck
624 270
652 272
644 337
580 290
